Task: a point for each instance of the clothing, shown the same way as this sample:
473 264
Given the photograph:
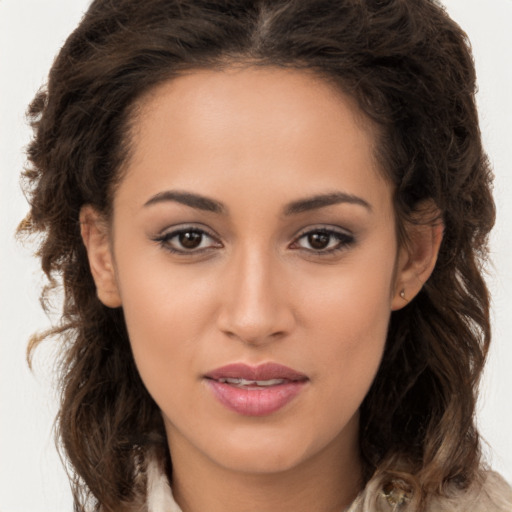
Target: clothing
494 495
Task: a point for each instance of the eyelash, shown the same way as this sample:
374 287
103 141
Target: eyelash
344 240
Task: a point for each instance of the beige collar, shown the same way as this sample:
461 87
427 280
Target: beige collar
494 495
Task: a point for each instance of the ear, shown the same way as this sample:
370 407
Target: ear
418 256
95 235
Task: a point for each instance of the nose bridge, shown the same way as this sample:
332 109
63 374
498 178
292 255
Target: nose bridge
255 307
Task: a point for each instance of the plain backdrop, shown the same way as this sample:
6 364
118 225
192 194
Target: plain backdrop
31 32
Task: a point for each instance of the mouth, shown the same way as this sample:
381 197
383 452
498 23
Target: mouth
255 390
252 384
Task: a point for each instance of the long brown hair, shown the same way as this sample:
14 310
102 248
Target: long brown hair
409 67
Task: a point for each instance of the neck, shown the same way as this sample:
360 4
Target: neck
327 482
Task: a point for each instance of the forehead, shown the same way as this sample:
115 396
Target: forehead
254 128
262 95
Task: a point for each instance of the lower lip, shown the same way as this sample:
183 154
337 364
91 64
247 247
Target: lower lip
255 402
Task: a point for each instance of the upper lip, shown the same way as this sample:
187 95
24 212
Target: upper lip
266 371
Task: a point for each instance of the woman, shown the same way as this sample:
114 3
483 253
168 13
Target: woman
269 219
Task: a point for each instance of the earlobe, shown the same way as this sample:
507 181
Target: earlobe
95 236
416 260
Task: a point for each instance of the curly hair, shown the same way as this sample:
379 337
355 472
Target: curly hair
409 68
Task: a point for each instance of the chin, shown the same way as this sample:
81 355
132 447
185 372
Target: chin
260 461
268 450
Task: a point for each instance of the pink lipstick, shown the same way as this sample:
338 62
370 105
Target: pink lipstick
255 390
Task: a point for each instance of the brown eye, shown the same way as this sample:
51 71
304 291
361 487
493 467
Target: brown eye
319 241
324 241
190 239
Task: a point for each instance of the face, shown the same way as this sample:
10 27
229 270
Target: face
254 253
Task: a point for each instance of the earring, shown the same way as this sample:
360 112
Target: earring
402 295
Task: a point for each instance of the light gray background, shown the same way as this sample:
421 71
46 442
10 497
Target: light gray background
31 32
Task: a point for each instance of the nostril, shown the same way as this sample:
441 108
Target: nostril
254 336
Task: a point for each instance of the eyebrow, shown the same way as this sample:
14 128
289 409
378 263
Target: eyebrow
204 203
324 200
188 199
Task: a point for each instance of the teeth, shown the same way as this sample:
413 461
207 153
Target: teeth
246 383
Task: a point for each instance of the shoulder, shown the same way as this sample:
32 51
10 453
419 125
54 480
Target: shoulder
493 494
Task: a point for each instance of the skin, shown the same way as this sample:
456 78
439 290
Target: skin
256 289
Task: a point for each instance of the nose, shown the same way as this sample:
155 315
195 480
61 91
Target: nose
255 308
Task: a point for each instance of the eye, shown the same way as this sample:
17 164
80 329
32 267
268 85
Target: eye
187 240
323 240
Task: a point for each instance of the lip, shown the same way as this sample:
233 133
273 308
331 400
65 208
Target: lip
255 400
264 371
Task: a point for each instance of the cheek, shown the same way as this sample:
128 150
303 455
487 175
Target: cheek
166 312
354 297
349 317
351 335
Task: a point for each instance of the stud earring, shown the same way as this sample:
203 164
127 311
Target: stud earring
402 295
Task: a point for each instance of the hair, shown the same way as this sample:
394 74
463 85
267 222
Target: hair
410 70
